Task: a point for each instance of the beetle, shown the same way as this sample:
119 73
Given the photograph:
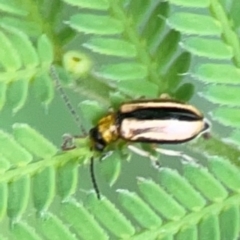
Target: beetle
161 121
152 120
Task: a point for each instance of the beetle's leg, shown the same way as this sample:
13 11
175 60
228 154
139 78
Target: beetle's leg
175 153
143 153
68 143
104 155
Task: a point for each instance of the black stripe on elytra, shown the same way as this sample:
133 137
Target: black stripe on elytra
159 113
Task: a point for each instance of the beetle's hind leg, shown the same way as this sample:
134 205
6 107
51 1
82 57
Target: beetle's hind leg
154 159
144 153
181 154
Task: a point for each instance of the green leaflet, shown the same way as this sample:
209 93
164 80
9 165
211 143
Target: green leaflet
93 4
17 94
112 46
12 151
18 192
123 71
210 48
205 182
88 23
156 194
51 225
141 211
44 88
189 23
74 213
193 4
45 50
110 216
12 7
219 94
189 232
30 28
217 73
209 227
25 48
9 57
33 141
181 189
227 116
22 230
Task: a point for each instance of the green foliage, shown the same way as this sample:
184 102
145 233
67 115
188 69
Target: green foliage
111 51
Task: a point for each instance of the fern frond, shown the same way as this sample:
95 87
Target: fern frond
224 46
39 187
138 51
175 205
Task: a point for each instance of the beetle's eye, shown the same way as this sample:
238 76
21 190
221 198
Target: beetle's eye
98 141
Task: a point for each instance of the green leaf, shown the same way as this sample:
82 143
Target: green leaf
22 231
89 229
210 48
234 10
28 27
205 182
167 48
3 200
235 137
3 93
222 94
110 216
122 71
155 24
92 111
184 92
209 228
93 4
181 189
112 47
189 23
142 213
18 197
68 179
175 72
191 4
45 50
138 10
33 141
217 73
135 88
89 23
227 173
25 48
111 167
188 232
44 88
155 195
226 116
44 188
17 94
13 152
54 227
228 216
9 56
12 7
4 164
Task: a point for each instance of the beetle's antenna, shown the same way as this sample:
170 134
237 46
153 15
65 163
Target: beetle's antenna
66 99
94 182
